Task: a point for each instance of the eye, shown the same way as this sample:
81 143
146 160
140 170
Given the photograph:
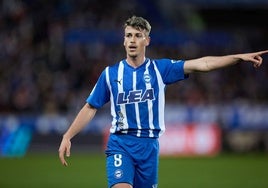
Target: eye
139 35
128 35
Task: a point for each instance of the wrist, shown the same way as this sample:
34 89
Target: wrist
66 137
237 58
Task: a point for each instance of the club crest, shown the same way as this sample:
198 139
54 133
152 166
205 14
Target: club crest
147 78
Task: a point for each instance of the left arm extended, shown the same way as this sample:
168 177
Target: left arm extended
209 63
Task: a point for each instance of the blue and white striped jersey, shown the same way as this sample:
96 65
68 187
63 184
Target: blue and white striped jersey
137 95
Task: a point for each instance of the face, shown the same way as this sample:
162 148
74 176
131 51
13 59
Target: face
135 42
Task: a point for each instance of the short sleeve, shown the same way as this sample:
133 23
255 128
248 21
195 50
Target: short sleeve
171 70
100 94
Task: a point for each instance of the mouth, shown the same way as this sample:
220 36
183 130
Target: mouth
132 48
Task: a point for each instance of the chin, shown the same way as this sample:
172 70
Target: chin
133 56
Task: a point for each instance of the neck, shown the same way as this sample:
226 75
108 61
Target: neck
135 61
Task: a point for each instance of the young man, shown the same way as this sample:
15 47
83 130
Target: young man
136 89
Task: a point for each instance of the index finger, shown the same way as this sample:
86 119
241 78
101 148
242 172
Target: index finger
262 52
62 158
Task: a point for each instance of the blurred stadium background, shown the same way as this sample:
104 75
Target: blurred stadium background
52 52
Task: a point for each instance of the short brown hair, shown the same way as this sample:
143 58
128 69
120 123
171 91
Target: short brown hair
138 23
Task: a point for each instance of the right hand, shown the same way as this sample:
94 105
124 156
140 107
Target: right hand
64 149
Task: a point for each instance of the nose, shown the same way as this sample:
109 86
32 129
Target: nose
132 39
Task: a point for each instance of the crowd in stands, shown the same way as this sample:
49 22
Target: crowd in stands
51 52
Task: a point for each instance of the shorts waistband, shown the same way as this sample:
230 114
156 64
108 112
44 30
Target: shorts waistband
131 137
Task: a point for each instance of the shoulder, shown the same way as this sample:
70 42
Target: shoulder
165 61
160 63
111 68
168 62
160 60
166 65
115 66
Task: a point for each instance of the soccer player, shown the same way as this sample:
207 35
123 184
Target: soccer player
135 87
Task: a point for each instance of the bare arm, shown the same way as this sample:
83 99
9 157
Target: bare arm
210 63
82 119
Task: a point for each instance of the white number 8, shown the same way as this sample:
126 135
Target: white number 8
117 160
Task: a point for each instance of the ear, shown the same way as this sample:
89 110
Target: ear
124 42
148 39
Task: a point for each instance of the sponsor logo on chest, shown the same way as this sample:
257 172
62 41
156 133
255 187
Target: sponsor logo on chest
135 96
